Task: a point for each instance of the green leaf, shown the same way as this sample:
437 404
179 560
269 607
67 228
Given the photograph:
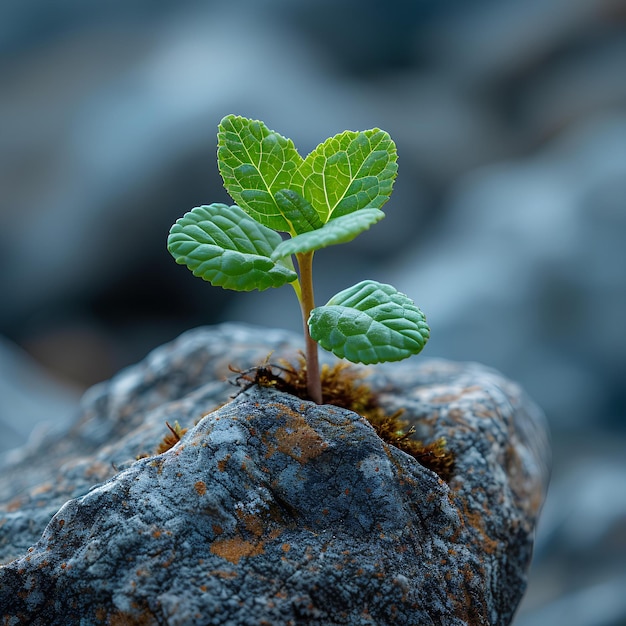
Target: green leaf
348 172
339 230
227 248
256 162
370 323
297 211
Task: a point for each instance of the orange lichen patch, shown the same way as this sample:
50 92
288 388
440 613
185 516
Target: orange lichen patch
253 523
476 520
446 398
233 550
221 464
299 440
286 547
529 495
158 463
200 487
467 607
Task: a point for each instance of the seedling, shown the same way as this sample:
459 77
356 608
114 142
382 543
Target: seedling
329 197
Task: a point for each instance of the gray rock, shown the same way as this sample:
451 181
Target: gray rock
271 509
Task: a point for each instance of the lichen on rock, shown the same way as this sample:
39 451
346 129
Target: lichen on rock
272 509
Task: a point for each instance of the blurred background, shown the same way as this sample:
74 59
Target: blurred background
507 225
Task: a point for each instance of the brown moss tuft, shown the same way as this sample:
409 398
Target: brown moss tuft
171 438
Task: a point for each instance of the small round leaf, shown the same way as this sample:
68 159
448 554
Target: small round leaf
370 323
227 248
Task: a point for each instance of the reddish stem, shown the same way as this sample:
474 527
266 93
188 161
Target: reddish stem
307 303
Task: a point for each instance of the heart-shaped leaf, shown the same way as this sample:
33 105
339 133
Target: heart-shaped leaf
339 230
226 247
256 162
370 323
348 172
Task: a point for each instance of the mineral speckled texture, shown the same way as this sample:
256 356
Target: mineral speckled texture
271 509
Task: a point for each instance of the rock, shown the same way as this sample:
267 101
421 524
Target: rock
121 419
271 509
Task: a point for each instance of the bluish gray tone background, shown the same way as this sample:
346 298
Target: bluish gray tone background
507 224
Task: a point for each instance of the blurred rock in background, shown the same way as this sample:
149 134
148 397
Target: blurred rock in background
507 224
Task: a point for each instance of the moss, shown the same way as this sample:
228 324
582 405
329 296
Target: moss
343 386
171 438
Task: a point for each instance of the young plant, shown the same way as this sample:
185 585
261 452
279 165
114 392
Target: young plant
326 198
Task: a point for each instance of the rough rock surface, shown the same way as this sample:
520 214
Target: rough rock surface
273 510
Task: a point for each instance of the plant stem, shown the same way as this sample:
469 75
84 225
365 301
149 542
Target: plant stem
307 304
